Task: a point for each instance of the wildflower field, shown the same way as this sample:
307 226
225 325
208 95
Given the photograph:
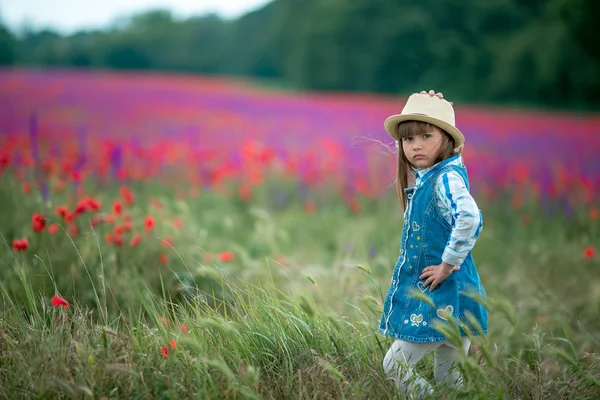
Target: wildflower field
171 236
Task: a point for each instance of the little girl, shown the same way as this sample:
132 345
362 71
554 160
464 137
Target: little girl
441 224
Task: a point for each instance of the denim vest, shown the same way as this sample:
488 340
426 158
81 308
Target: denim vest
424 237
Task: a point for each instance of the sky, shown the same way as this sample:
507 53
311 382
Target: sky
68 16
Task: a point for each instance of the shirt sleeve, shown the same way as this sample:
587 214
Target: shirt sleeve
466 218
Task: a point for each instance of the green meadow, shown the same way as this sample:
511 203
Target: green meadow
231 298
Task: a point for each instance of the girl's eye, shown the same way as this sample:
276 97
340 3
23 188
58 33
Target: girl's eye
407 139
426 135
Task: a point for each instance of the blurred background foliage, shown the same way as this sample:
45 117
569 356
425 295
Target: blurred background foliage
511 52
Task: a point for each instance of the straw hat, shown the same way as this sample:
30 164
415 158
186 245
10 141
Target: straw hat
426 108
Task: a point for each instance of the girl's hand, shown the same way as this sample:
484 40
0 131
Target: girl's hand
433 93
436 274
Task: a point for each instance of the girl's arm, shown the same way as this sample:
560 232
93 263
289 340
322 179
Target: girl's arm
461 211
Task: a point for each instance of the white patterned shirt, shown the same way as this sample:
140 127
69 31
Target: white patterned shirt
459 209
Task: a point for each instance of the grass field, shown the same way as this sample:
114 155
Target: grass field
161 288
277 303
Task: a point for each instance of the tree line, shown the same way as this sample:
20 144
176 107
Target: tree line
538 52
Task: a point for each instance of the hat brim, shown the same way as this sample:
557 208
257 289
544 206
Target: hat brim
391 126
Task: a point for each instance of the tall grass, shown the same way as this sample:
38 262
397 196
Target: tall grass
293 315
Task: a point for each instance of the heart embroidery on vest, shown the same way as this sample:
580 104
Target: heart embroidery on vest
416 319
415 227
444 313
421 286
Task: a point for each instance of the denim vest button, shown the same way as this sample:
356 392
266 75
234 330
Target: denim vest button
409 196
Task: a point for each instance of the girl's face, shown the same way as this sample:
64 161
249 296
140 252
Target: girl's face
422 150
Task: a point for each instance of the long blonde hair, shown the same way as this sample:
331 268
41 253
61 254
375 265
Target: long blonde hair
405 176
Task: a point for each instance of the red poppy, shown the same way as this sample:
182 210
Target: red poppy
48 167
121 174
26 187
60 186
589 252
4 160
178 223
93 204
167 242
38 222
20 244
594 214
184 329
172 344
117 207
552 190
27 160
66 167
245 192
362 186
163 259
310 207
267 155
80 208
52 229
517 202
117 240
165 351
37 217
59 302
61 211
76 176
149 222
127 194
119 229
226 256
135 240
354 206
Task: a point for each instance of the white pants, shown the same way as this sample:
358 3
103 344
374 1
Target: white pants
402 357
